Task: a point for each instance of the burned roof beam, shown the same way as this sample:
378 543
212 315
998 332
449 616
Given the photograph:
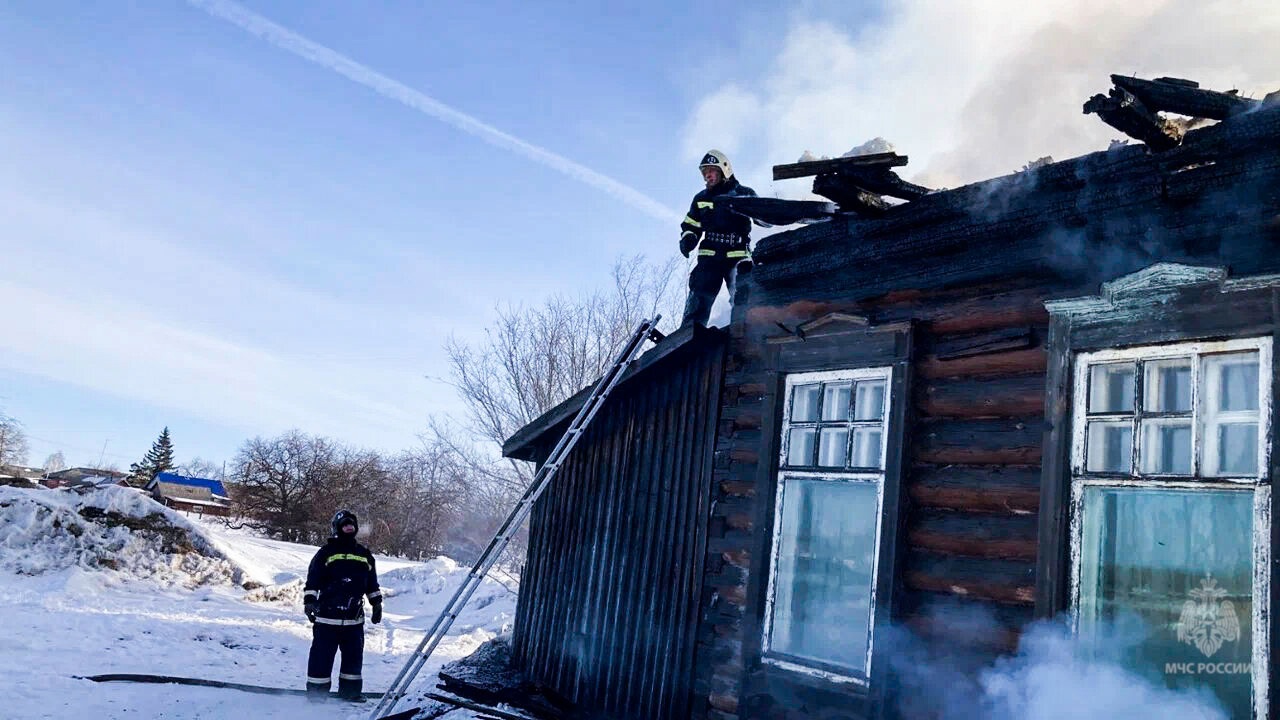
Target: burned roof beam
817 167
883 181
849 196
1126 113
1184 97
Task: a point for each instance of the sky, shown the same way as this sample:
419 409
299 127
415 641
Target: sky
234 219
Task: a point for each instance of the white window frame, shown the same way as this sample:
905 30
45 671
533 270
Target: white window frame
1258 483
858 475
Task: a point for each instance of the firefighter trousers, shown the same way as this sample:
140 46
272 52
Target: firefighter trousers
326 641
704 285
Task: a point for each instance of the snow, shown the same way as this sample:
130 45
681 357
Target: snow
109 581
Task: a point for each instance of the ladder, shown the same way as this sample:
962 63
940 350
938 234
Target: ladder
647 330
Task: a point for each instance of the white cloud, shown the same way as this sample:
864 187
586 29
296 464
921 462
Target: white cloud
976 89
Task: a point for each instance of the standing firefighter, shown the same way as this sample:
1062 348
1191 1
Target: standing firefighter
724 237
340 576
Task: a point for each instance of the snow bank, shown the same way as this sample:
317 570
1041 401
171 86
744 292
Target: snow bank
108 529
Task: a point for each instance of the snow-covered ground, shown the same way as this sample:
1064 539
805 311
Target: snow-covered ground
95 584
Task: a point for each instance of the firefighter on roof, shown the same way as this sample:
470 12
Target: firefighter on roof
720 236
340 576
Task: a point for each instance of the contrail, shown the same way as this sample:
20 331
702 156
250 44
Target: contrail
286 39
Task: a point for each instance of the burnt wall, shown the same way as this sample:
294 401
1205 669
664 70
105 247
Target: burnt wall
609 600
970 270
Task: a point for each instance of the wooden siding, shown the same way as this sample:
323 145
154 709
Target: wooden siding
608 608
972 269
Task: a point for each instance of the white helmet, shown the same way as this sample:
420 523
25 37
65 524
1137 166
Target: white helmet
715 158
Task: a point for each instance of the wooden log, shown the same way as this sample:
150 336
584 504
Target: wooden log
998 397
992 341
1006 490
850 197
973 535
1184 97
1126 113
1018 362
979 442
815 167
1002 581
882 181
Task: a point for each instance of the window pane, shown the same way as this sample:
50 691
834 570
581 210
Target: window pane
800 447
866 447
870 401
1110 447
1111 388
1233 381
1168 386
826 556
1238 449
835 402
833 442
1181 561
804 403
1166 447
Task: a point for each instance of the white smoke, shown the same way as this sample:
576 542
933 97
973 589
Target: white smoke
972 90
1050 677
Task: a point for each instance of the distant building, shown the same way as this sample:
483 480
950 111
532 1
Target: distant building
85 475
20 476
201 496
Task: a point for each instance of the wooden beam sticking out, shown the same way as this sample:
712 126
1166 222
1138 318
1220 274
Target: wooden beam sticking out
816 167
848 196
1184 97
882 181
1124 112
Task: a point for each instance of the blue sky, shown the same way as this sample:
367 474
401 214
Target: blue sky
201 229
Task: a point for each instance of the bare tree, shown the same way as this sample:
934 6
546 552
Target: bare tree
533 359
275 483
201 468
13 441
55 462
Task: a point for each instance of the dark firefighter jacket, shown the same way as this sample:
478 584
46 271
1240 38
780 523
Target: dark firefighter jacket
341 574
722 231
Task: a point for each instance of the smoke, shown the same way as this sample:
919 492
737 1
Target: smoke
1050 677
325 57
976 89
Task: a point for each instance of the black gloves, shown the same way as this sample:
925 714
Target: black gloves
310 609
688 241
376 616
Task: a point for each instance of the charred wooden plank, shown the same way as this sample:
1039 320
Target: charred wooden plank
881 180
1184 97
1003 581
850 197
777 211
815 167
1126 113
973 535
977 442
1009 490
998 397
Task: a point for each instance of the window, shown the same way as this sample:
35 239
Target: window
821 596
1170 512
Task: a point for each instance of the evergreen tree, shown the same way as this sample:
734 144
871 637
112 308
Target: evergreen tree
157 460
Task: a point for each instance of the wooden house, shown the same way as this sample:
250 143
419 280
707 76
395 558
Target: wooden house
1047 395
201 496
